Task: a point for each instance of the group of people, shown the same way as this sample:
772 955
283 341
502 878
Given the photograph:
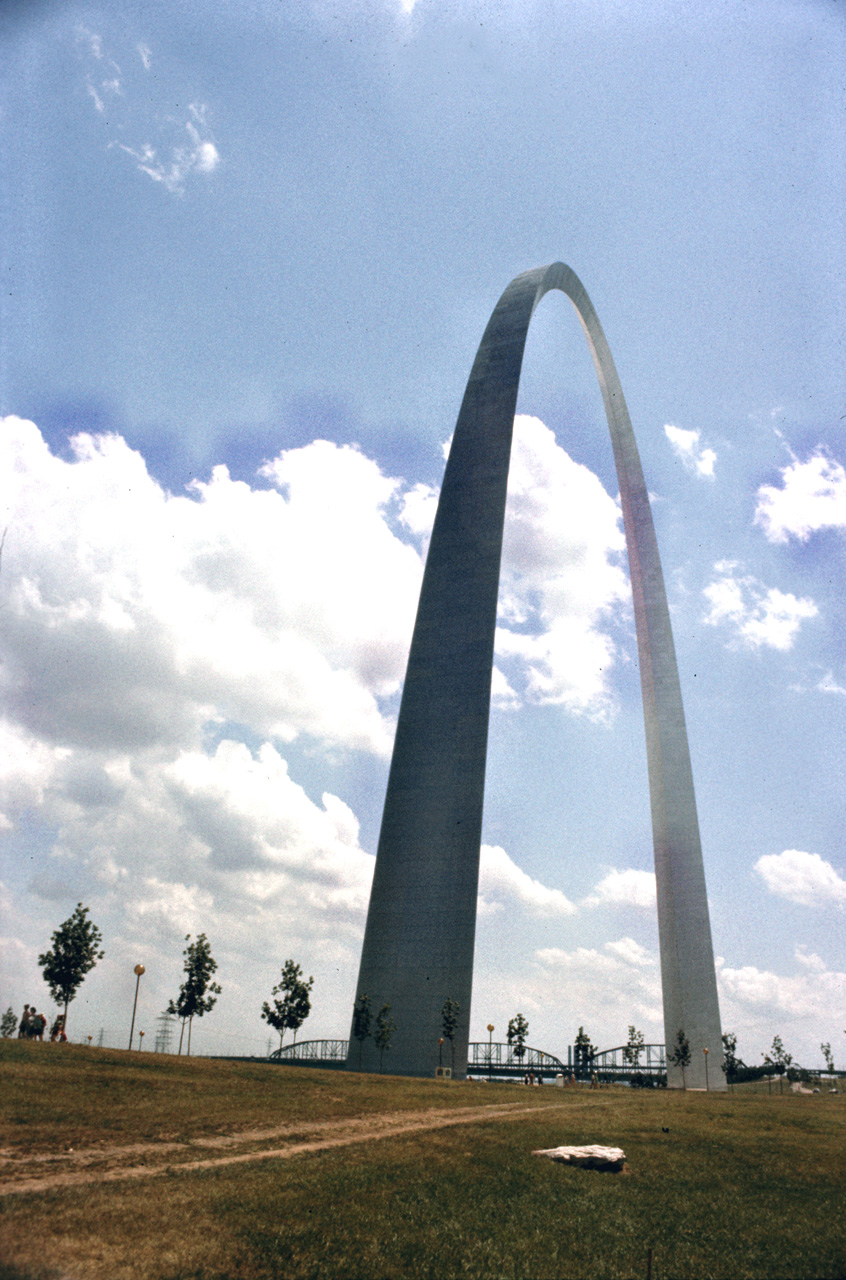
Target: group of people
530 1078
33 1025
571 1080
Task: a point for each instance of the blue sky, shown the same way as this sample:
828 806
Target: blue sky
249 253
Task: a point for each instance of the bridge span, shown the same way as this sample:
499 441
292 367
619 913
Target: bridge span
502 1061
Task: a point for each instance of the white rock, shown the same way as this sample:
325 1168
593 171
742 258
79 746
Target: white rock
610 1159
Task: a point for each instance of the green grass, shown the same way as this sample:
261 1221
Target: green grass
58 1096
740 1186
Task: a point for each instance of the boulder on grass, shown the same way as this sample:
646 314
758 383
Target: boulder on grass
606 1159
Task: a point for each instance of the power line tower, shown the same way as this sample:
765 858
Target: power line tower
164 1033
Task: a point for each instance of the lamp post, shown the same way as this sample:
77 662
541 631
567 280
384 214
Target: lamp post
441 1051
490 1047
139 969
705 1051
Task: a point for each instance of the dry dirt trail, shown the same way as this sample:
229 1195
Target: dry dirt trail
23 1174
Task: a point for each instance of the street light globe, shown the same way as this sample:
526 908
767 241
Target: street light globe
704 1050
491 1027
139 969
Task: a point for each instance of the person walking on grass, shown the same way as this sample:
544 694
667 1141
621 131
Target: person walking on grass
23 1029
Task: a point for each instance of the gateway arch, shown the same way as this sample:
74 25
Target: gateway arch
421 923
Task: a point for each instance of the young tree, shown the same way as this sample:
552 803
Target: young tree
385 1028
583 1052
362 1022
9 1023
192 1001
826 1053
518 1029
634 1048
777 1057
449 1024
680 1055
73 954
730 1061
291 1005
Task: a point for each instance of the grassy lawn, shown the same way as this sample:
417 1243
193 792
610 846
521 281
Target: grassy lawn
56 1096
748 1185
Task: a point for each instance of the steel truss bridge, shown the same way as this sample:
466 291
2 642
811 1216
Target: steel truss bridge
613 1063
314 1053
486 1060
502 1061
489 1060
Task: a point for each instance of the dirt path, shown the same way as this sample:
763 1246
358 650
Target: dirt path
29 1174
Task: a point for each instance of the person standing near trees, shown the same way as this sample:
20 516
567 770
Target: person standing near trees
23 1029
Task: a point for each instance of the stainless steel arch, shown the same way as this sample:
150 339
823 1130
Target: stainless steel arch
420 933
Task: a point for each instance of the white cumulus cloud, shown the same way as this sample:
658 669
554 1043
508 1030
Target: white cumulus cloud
501 881
618 983
759 616
685 445
562 581
624 888
802 877
133 616
812 496
757 999
145 632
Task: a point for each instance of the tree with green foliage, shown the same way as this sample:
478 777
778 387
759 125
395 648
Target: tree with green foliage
385 1028
292 1001
449 1025
8 1023
826 1053
362 1022
730 1062
73 954
518 1029
198 994
778 1057
680 1055
634 1047
583 1052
